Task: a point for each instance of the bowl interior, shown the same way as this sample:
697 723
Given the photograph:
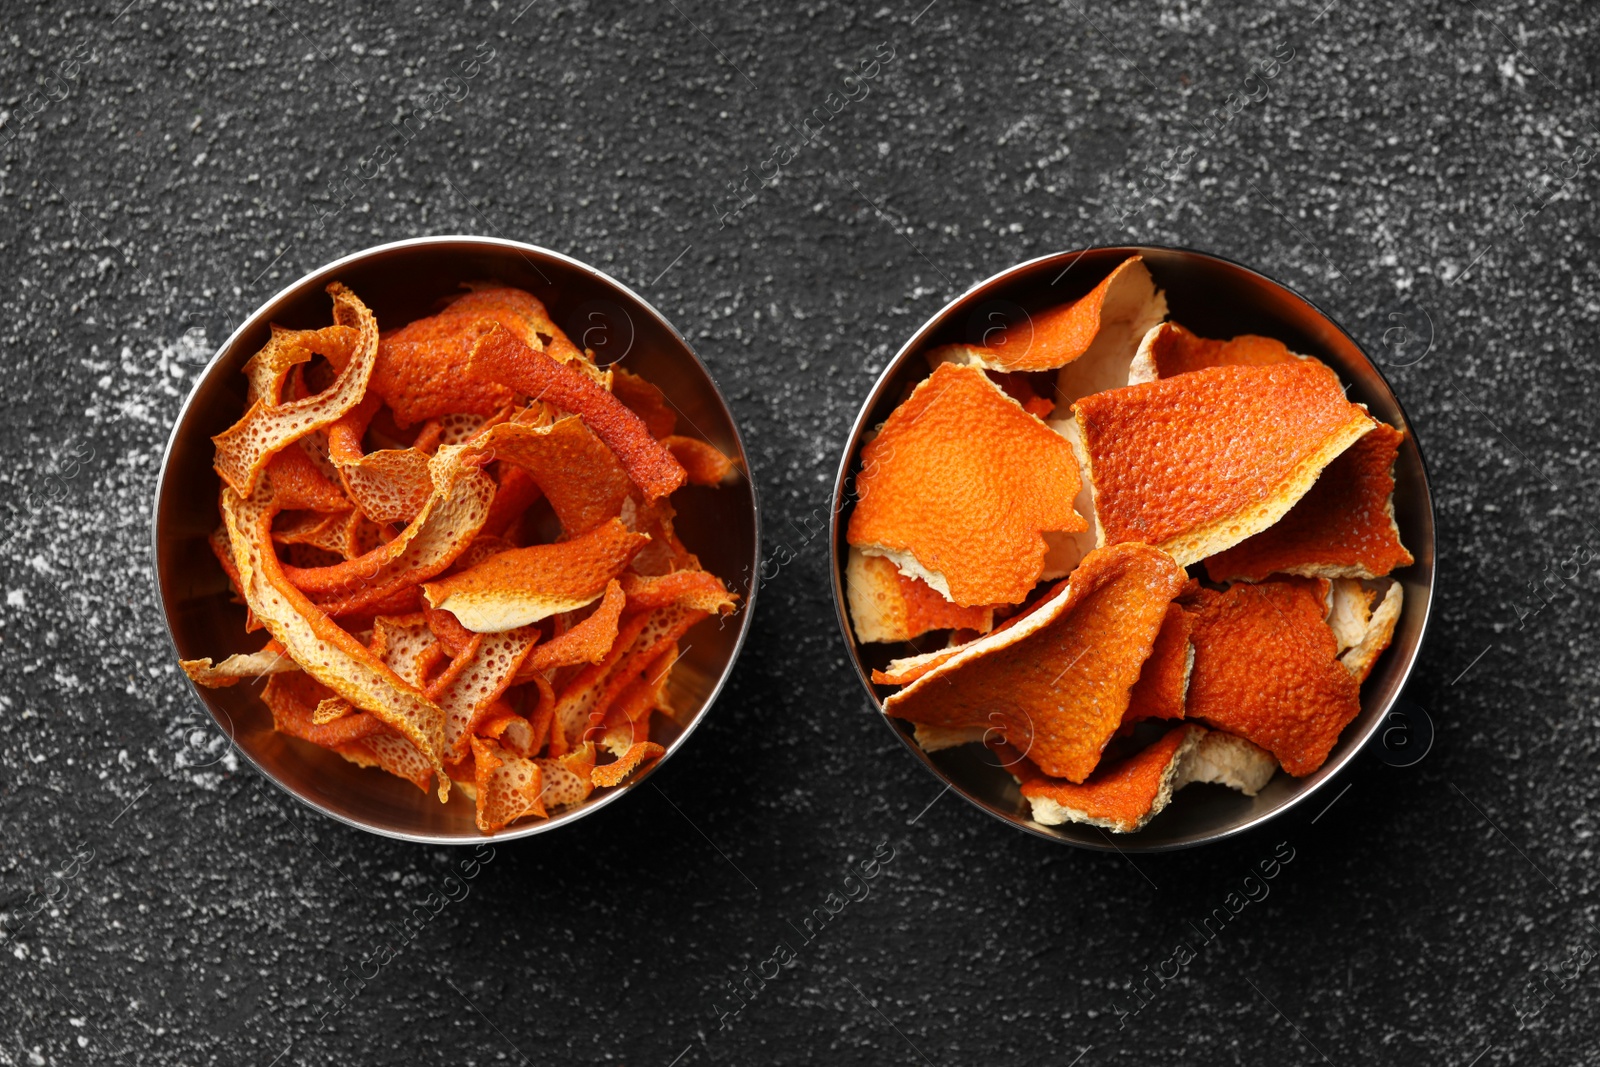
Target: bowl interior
400 283
1214 298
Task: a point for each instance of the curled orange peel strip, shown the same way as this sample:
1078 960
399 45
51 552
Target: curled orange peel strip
523 585
313 640
499 355
243 450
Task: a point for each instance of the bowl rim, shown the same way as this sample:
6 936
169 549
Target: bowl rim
326 271
1130 842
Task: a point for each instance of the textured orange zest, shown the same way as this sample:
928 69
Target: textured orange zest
1207 454
1056 684
907 670
697 589
508 786
578 697
967 483
444 529
523 585
1123 794
422 370
499 355
886 605
245 447
1159 692
587 642
1343 528
580 476
646 401
300 484
285 349
703 463
293 698
316 642
627 763
1265 670
1063 333
1174 350
450 633
468 690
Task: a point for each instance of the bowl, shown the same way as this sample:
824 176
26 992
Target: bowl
1215 298
400 282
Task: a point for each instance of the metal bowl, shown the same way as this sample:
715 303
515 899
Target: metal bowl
1215 298
401 282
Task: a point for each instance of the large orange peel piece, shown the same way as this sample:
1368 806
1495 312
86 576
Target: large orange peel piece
1197 463
961 485
1169 350
1342 528
1265 669
1164 679
244 449
885 605
1121 796
499 355
1056 685
313 640
523 585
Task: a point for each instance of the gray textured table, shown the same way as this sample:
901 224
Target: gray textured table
1423 171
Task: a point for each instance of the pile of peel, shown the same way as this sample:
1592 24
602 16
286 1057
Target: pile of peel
1127 558
458 537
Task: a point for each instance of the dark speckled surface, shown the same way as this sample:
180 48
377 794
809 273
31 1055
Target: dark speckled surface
1420 168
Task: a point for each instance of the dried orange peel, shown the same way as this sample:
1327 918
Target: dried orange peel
1376 635
523 585
885 605
1092 339
1197 463
244 449
1265 669
1164 679
480 584
1343 527
1237 453
1057 684
499 355
1169 350
959 488
1121 796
